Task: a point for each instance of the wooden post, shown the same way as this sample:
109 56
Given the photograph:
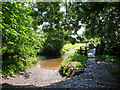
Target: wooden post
85 51
80 50
97 51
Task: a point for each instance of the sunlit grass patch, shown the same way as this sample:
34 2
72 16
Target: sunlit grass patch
69 46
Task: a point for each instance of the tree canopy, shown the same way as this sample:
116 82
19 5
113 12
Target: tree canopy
21 37
101 19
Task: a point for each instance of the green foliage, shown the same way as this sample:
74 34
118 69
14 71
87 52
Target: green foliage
79 58
55 26
18 38
68 46
51 21
115 72
72 63
92 43
16 65
21 39
52 45
81 39
109 58
68 72
101 57
101 21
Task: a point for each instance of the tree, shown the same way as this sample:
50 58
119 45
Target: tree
18 38
101 20
52 20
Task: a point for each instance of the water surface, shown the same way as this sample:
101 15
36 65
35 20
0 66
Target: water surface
51 63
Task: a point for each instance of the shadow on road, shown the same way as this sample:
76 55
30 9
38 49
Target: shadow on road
6 86
94 77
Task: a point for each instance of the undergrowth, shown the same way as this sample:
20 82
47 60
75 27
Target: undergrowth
16 65
72 64
114 71
109 58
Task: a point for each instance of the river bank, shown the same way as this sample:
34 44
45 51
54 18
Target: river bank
35 76
44 73
95 75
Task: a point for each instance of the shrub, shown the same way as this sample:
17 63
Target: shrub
73 65
16 65
109 58
115 72
18 38
52 45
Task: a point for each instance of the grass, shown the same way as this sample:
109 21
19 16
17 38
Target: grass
114 71
69 47
72 63
74 60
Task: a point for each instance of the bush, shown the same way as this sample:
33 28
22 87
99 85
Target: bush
16 65
73 65
79 58
115 72
18 38
109 58
52 45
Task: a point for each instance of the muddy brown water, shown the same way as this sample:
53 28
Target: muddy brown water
50 63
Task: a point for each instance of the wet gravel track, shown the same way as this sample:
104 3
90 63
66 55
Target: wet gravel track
95 76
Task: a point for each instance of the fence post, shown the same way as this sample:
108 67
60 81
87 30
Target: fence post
80 50
97 51
85 51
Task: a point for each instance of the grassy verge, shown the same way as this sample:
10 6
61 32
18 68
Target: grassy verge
73 65
114 71
69 47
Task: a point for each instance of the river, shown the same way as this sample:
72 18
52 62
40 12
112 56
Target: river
51 63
